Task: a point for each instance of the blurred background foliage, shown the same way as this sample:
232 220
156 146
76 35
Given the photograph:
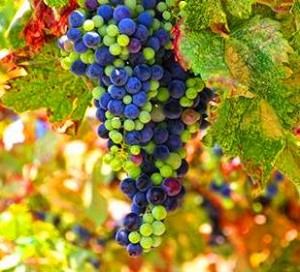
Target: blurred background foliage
60 207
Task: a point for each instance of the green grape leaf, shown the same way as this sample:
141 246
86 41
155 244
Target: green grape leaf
249 128
56 3
49 86
13 16
289 161
240 8
202 14
259 93
295 39
204 52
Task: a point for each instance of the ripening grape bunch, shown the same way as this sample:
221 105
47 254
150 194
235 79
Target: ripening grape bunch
148 105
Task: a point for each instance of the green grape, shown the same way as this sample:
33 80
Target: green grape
88 25
134 172
116 164
116 136
158 228
148 218
167 15
174 160
112 30
108 125
154 85
109 115
146 242
102 30
148 53
145 117
168 27
98 21
161 6
116 123
114 149
119 63
107 158
129 125
191 82
115 49
156 178
139 9
194 128
108 70
129 71
159 212
134 237
147 107
185 136
146 229
163 94
127 99
108 40
191 93
97 92
155 24
182 152
159 163
166 171
74 56
123 40
135 150
138 125
130 3
149 148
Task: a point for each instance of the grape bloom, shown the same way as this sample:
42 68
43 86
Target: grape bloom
148 105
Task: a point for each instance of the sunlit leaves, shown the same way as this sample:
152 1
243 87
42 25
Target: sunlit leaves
56 3
201 14
259 91
240 8
64 96
12 21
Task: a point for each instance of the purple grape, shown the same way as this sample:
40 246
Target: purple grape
128 187
121 12
131 111
161 152
140 199
134 250
119 76
132 138
127 26
133 85
76 18
172 186
122 237
105 11
116 107
156 195
78 67
146 19
132 221
143 183
91 39
74 34
135 45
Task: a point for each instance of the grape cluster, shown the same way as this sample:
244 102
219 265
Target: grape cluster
149 107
